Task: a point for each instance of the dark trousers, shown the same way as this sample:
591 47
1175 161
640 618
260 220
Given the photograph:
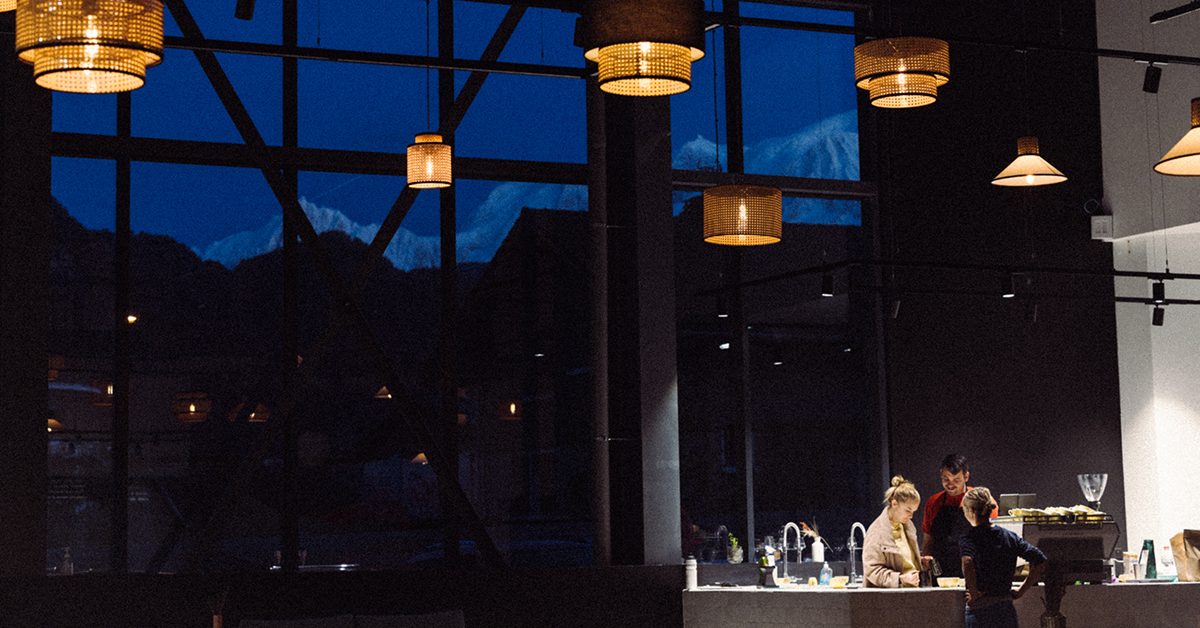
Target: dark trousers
998 615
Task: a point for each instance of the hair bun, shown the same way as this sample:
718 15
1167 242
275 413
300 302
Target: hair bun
898 480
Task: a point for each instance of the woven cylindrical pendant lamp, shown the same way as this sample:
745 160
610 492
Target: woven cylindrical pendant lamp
7 5
902 72
90 46
1184 157
1029 168
743 215
430 162
643 47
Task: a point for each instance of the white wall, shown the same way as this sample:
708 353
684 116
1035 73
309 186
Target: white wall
1138 128
1160 391
1159 366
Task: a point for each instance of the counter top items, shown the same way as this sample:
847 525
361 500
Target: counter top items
1185 549
1092 485
1146 561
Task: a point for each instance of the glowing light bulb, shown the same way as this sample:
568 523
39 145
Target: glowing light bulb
191 408
1029 179
512 409
91 32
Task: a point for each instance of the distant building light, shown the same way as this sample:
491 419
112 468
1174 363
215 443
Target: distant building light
131 319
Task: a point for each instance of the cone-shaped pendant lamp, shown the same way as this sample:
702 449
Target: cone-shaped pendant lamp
902 72
90 46
644 47
743 215
1029 168
1184 157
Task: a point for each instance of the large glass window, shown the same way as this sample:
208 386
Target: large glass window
208 365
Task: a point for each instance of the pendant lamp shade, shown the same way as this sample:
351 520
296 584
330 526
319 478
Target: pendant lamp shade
7 5
743 215
902 72
90 46
1184 157
643 47
429 162
1029 168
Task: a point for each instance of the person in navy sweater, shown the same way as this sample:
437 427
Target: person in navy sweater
989 560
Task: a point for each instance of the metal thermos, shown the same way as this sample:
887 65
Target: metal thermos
692 573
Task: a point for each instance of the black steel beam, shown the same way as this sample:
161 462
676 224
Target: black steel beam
119 547
289 519
402 409
791 186
576 6
448 239
451 117
304 159
198 44
148 149
948 266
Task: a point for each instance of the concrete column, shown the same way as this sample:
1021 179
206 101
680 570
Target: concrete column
639 287
24 311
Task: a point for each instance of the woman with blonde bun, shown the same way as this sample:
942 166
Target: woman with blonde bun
890 556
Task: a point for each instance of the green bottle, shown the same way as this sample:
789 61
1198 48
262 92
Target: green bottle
1151 563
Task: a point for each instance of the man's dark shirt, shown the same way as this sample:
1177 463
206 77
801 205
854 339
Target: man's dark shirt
995 551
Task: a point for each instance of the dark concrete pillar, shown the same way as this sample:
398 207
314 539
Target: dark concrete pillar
24 310
643 520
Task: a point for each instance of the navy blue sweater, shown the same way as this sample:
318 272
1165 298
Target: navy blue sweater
994 551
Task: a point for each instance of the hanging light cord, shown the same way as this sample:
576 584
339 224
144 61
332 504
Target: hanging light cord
428 97
319 23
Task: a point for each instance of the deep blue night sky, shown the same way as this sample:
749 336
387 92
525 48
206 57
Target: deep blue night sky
792 80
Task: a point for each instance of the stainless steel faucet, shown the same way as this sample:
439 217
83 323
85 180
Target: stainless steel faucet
851 546
799 545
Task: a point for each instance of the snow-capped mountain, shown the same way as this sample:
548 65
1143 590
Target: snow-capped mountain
827 149
476 243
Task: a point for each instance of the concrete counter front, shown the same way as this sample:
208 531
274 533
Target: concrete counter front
1167 605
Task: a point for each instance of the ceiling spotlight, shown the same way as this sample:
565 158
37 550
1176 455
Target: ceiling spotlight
827 285
1158 292
1157 317
1150 81
1007 289
722 308
244 10
1163 16
724 346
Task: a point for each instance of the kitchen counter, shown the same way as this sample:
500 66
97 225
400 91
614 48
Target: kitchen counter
1160 605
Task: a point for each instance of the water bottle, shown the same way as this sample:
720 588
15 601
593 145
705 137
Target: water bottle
826 574
1147 558
818 550
692 573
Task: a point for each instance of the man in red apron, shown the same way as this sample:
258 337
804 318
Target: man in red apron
944 523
